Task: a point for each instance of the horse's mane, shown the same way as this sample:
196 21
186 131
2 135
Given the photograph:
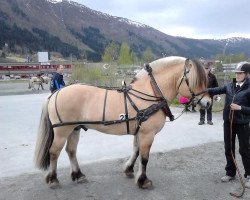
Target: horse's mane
197 75
159 64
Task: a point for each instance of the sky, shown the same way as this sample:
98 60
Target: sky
199 19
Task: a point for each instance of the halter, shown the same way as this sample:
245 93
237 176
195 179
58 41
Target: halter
184 77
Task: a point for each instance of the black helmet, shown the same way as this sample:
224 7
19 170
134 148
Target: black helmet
243 67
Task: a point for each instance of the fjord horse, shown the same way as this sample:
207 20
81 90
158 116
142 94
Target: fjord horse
174 75
38 81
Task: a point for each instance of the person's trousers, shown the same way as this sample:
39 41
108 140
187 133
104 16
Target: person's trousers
243 133
209 114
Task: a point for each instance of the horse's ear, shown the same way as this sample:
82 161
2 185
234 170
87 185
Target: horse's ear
188 64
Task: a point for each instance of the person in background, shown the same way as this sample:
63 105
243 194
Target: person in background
236 113
57 81
212 83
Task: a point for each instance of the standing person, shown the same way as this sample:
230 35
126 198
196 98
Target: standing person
212 83
57 81
237 112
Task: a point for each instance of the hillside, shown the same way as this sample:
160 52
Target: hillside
72 29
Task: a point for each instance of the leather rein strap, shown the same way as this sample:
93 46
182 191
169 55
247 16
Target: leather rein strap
158 93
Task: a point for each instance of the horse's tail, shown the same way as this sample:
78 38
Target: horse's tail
44 140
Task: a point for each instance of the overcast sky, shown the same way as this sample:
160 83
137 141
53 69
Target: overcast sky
201 19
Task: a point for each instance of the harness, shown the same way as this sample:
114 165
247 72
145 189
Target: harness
141 115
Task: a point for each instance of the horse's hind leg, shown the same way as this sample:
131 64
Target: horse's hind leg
71 149
129 166
145 142
54 151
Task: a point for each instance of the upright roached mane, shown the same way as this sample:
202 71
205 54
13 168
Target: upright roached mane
86 103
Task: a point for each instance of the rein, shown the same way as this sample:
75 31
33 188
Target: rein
235 163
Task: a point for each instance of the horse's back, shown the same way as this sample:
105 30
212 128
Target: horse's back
81 101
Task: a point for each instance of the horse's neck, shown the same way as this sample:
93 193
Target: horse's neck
166 83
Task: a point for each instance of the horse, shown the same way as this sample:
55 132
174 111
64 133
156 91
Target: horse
38 81
65 111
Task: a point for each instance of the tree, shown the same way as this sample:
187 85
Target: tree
148 55
111 53
125 55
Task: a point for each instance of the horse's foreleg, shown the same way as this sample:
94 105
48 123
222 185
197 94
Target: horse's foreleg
129 166
145 142
54 151
71 149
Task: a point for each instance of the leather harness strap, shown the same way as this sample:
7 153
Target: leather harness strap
158 93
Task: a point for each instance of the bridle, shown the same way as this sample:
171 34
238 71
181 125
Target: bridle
184 77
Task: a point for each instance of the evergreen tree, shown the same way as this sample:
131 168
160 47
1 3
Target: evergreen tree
125 56
148 55
111 53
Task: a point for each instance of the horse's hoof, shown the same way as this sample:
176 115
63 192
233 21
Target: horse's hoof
147 184
82 179
129 174
54 185
79 177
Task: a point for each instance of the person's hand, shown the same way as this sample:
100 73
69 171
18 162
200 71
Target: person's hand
235 106
217 98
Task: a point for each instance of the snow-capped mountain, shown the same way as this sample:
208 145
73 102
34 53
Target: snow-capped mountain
71 28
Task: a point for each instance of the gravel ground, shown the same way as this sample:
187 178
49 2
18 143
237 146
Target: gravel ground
186 174
17 87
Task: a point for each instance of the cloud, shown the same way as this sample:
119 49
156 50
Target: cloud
187 18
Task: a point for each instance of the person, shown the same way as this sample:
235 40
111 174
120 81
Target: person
236 112
39 76
57 81
212 83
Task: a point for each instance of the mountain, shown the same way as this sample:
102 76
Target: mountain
74 29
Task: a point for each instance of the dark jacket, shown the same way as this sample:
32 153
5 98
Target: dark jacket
57 82
212 81
240 97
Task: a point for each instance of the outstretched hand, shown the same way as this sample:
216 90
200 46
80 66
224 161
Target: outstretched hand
235 106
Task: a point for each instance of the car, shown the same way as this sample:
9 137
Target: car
17 77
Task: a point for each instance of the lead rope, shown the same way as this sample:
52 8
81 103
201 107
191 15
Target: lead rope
235 163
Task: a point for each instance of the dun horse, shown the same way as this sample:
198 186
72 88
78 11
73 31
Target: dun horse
38 81
82 106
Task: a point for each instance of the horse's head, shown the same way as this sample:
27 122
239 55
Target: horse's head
193 82
178 75
44 79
